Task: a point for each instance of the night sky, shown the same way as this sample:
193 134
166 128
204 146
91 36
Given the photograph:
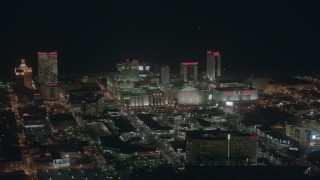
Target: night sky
255 36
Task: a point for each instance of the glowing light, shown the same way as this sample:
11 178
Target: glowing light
53 53
216 53
209 52
52 84
48 53
228 92
229 103
189 63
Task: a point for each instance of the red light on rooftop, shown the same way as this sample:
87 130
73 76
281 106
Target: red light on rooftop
53 53
209 52
216 53
190 63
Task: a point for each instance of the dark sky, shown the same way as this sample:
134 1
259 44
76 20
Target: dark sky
92 36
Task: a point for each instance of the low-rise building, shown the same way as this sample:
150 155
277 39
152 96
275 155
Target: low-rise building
232 94
306 134
220 147
142 97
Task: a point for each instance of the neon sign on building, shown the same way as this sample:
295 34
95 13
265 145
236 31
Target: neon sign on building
189 63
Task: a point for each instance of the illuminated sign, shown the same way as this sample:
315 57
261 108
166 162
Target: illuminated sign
293 148
52 85
190 63
216 53
229 103
228 92
50 53
42 53
53 53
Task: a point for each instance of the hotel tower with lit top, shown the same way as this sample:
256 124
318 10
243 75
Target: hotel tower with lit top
213 64
24 73
189 71
48 74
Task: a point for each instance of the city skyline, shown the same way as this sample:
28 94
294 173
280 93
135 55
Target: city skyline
159 90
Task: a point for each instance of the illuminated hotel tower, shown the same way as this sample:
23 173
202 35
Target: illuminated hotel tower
189 71
47 67
130 70
24 73
48 75
213 64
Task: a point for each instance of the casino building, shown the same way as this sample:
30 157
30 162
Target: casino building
234 94
190 95
141 97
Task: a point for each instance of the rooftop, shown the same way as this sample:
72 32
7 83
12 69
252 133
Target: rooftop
213 135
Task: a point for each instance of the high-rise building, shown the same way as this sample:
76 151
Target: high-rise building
189 71
164 72
48 75
47 67
129 70
24 73
213 64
